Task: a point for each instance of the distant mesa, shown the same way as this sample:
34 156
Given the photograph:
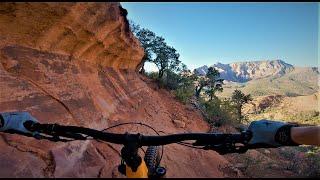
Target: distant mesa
250 70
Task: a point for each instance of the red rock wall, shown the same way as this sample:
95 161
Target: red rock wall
95 32
74 64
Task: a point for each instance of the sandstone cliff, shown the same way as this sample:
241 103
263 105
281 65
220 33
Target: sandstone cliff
75 64
92 32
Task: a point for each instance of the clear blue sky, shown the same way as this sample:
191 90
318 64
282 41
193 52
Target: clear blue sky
206 33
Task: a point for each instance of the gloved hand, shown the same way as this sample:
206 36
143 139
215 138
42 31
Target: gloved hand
15 120
271 133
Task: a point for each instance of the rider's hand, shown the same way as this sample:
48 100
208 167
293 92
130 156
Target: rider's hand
15 120
271 133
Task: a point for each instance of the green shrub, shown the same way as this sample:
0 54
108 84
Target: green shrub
314 113
309 117
171 80
304 160
152 75
220 112
183 94
313 166
308 166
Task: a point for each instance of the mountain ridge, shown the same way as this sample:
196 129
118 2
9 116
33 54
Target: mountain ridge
248 70
299 82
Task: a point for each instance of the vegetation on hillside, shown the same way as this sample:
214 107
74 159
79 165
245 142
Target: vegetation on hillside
228 109
157 51
211 82
220 103
175 76
310 117
239 99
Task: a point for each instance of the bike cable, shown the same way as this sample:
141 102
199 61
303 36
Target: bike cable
142 124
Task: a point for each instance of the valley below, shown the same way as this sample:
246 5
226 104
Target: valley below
281 92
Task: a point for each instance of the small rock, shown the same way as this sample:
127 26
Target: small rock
9 63
267 151
184 119
189 108
288 172
236 171
240 166
179 124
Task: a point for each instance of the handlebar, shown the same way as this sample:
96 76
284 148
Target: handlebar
215 141
144 140
224 143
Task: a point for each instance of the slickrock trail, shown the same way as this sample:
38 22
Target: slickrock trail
75 64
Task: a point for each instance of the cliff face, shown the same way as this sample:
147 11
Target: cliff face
75 64
94 32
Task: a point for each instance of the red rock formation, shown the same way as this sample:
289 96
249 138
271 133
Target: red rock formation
95 32
75 64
